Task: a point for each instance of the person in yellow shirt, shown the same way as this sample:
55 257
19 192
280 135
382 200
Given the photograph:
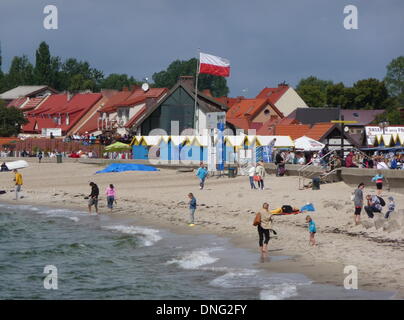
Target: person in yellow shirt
18 183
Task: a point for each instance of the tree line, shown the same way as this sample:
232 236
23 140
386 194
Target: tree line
74 75
369 93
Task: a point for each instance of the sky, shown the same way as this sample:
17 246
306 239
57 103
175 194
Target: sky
266 41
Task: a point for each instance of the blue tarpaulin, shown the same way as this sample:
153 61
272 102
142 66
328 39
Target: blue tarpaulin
120 167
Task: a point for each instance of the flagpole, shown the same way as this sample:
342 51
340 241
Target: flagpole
196 118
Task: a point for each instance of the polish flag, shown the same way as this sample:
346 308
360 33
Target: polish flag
216 66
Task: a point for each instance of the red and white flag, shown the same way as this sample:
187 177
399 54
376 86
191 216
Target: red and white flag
216 66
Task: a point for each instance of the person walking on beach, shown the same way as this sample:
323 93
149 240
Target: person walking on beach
358 202
18 183
251 174
192 208
378 178
263 221
93 201
312 230
271 147
111 196
280 164
260 172
201 173
40 155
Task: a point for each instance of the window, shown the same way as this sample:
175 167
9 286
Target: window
67 120
267 112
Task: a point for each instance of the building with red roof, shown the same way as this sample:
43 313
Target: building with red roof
60 111
284 98
264 111
252 113
123 109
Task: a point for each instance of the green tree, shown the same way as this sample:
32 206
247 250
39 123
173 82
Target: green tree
313 91
394 79
21 73
168 78
78 75
11 120
369 94
43 66
118 81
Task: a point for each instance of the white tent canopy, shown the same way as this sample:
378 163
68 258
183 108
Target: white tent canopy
308 144
281 141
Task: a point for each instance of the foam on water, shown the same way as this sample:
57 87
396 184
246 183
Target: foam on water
279 292
147 235
271 287
195 259
49 212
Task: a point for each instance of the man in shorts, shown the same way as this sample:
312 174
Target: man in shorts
358 202
93 197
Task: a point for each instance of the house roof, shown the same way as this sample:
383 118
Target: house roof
239 123
33 103
119 97
75 108
204 102
268 127
228 101
320 130
316 115
293 130
128 98
136 117
18 102
273 94
246 108
24 91
364 117
54 103
30 125
90 125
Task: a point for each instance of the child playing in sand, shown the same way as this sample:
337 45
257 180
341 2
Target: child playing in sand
192 208
391 207
312 230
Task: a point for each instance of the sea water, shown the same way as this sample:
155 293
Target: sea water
103 257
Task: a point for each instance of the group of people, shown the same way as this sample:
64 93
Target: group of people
110 193
378 161
263 220
374 203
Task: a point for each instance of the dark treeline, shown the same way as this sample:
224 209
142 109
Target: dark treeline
74 75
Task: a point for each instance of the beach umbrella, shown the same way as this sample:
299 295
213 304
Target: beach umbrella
117 146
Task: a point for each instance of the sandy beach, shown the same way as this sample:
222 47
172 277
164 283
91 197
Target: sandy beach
226 207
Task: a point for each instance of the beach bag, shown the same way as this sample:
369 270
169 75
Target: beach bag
352 196
257 219
382 202
287 208
257 178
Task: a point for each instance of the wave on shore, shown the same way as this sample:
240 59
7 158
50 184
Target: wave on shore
147 235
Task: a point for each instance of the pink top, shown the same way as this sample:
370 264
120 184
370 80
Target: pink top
110 192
